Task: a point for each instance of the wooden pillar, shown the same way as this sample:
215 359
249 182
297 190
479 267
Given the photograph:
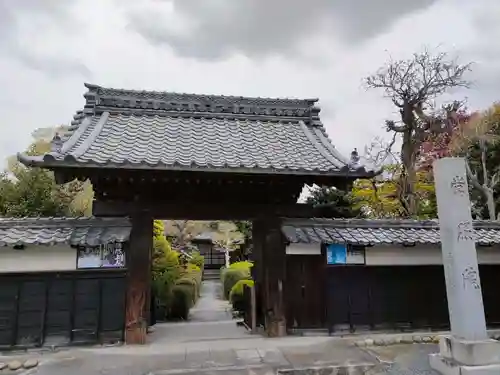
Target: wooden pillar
258 239
274 264
139 279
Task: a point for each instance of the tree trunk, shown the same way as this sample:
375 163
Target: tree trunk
490 202
409 176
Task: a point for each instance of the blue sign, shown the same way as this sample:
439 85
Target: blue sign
336 254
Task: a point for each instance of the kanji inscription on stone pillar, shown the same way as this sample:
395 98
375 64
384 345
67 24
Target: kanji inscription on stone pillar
463 285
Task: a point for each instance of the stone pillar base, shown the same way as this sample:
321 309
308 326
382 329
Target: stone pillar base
458 357
276 328
136 334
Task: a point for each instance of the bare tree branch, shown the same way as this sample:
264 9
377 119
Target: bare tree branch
412 85
472 176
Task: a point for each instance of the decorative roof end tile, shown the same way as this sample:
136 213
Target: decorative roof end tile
56 144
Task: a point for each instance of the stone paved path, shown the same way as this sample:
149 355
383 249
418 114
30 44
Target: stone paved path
210 307
209 319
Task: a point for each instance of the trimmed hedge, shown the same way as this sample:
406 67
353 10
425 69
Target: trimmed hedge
197 259
185 292
182 301
236 294
176 286
165 272
243 265
237 271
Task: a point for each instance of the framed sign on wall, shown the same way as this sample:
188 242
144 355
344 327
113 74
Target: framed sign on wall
110 255
345 254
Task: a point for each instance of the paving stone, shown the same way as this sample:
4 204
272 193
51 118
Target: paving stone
219 358
272 356
390 341
30 363
197 358
248 356
15 365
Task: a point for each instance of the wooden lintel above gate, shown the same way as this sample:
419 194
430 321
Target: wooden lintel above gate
186 211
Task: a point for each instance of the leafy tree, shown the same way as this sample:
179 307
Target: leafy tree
245 228
412 85
158 229
474 136
34 192
480 140
379 197
339 202
228 237
29 192
183 231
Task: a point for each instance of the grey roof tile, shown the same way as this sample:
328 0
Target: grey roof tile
71 231
191 99
161 130
373 232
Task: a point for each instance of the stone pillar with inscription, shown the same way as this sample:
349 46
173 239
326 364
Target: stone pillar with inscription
467 350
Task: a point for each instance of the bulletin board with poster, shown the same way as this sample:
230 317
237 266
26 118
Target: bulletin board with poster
109 255
338 254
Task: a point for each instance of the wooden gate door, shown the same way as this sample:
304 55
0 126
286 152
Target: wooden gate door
305 291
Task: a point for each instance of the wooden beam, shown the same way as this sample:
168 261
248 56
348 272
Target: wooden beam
274 267
139 279
217 211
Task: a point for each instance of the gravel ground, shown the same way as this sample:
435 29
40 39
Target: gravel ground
406 360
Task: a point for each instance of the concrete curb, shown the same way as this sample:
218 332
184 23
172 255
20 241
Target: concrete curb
354 369
222 369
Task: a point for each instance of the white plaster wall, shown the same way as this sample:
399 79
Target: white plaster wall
37 258
303 249
421 255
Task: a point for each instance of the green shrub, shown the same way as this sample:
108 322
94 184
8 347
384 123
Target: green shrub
165 271
182 297
191 275
239 288
237 293
185 292
191 283
163 256
231 276
243 265
197 259
176 285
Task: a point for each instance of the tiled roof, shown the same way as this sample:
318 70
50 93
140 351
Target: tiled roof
72 231
170 131
205 236
373 232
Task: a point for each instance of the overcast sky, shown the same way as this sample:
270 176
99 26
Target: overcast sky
277 48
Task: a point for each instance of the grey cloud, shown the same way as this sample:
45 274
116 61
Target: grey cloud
53 66
262 27
55 10
484 51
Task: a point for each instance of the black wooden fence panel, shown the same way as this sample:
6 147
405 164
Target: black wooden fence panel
61 307
399 297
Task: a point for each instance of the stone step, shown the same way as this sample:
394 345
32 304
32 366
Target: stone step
211 275
263 369
224 370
